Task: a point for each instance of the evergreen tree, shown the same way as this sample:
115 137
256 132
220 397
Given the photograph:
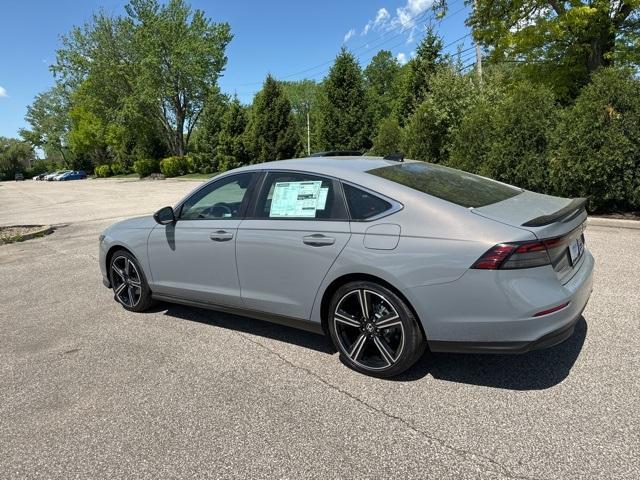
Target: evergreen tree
381 77
344 121
415 75
271 134
427 133
230 149
210 124
388 139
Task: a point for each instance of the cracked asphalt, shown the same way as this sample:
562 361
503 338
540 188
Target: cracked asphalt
89 390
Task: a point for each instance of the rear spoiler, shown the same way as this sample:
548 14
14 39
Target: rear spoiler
575 206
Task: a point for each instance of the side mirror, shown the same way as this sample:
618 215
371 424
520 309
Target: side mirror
165 216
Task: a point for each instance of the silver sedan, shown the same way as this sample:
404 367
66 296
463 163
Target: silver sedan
387 257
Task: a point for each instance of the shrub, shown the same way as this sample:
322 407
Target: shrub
227 162
388 139
596 148
103 171
117 168
508 139
146 166
174 166
428 130
201 163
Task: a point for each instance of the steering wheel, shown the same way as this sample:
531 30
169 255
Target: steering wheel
219 210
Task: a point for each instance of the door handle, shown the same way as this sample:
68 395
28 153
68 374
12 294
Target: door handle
318 240
221 236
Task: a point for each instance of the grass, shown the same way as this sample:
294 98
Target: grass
125 175
22 233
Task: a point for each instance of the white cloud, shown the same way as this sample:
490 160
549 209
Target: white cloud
402 58
378 23
349 34
405 19
3 92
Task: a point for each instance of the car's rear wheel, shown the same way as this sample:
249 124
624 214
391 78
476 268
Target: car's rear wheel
130 287
374 329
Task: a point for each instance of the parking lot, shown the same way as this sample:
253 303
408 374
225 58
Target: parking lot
90 390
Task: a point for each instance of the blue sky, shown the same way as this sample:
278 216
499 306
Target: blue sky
290 39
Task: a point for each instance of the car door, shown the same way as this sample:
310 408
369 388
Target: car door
194 258
297 229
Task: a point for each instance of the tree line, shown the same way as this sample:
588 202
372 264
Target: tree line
556 110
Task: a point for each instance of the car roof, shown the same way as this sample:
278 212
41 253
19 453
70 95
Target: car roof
346 167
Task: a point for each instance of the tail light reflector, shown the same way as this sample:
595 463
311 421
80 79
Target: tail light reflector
551 310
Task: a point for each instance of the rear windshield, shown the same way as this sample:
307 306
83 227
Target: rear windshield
448 184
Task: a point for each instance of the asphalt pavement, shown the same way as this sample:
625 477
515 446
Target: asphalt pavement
89 390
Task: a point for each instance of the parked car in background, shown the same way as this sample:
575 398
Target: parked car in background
38 177
385 256
75 175
59 176
49 176
19 177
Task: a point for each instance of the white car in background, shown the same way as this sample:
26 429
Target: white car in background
48 177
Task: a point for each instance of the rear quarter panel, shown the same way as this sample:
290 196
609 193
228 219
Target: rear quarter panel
438 243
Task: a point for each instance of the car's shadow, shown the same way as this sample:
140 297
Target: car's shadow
535 370
248 325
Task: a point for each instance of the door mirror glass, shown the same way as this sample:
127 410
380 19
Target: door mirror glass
164 216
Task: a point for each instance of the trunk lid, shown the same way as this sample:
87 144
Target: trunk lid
547 217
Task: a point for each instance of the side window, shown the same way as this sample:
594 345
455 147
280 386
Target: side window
300 196
221 199
363 205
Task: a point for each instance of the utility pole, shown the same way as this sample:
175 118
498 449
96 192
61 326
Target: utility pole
478 52
308 134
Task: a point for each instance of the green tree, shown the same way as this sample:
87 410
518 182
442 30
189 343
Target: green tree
416 73
427 135
562 41
381 79
181 54
506 135
388 139
344 123
206 135
87 138
48 116
16 156
303 96
596 148
271 134
231 151
159 62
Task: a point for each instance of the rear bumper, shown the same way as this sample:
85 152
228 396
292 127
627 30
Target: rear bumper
546 341
495 312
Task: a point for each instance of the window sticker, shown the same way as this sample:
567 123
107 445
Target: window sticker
322 198
295 199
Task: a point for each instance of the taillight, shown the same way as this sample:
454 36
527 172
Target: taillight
509 256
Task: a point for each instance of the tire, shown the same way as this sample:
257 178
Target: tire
383 338
130 287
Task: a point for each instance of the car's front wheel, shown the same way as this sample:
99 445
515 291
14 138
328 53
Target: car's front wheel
130 287
374 330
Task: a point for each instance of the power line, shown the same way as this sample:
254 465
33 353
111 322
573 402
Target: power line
375 44
361 56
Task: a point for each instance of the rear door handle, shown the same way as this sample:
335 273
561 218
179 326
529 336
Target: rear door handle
221 236
318 240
